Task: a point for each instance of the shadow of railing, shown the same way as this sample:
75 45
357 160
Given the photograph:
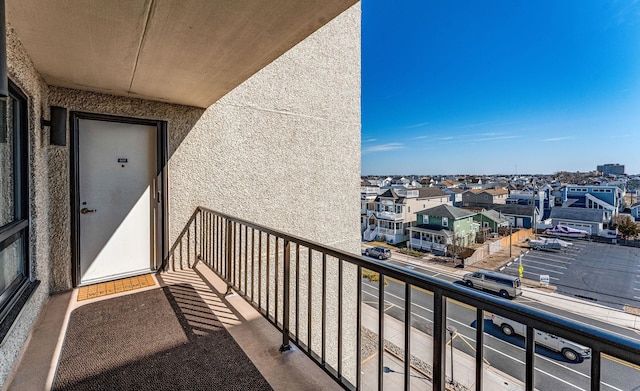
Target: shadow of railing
313 294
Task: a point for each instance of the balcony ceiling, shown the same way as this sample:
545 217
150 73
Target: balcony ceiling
188 52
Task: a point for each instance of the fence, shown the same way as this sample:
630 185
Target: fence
496 246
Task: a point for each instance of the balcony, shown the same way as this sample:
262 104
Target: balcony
389 215
290 303
427 245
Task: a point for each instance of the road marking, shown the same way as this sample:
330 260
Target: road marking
534 274
432 272
546 270
545 263
620 361
526 259
502 341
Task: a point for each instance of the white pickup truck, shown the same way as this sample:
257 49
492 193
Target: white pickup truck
570 350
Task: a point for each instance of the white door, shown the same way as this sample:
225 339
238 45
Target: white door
116 174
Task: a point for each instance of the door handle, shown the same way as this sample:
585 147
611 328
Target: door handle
84 211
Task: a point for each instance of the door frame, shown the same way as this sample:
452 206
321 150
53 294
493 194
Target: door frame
161 173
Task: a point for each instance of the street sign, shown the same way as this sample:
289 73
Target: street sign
521 270
544 279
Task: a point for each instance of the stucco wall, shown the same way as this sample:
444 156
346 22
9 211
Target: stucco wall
283 148
22 72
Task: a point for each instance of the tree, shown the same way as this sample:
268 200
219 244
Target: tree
627 228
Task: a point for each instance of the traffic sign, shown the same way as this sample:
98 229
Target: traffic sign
544 279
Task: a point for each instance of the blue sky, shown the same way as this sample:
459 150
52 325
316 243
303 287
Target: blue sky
488 87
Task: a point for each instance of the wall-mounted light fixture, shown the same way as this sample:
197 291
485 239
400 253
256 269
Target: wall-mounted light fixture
4 83
57 124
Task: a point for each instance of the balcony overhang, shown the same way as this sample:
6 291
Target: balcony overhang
189 52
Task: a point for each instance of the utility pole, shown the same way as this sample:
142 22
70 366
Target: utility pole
510 237
452 331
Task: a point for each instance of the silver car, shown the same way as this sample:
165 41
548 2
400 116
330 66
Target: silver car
378 252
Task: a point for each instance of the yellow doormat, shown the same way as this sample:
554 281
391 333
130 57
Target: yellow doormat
113 287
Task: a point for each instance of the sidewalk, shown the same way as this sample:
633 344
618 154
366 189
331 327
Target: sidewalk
422 349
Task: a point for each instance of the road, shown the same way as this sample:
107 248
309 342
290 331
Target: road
507 354
604 273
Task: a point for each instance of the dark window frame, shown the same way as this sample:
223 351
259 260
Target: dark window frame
15 297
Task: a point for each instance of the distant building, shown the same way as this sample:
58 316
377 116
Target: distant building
611 169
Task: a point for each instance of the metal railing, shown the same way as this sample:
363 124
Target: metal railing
306 290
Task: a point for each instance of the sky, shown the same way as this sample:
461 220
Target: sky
499 86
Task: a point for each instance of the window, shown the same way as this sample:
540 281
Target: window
15 284
445 222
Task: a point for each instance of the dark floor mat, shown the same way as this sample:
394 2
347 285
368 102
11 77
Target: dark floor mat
160 339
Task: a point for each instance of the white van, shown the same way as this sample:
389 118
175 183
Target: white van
507 286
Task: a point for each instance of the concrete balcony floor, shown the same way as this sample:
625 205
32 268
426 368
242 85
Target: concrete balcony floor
259 340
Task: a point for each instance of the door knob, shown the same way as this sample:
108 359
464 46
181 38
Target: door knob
84 211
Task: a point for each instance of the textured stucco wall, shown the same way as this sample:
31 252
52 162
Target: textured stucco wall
283 148
22 72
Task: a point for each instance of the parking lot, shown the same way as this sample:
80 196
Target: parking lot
605 273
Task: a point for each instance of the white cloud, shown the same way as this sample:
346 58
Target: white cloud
416 125
553 139
496 138
383 147
370 140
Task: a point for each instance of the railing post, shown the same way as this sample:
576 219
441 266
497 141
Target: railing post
530 349
286 297
596 357
439 339
479 348
229 237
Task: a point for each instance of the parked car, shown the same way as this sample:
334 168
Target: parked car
505 285
378 252
570 350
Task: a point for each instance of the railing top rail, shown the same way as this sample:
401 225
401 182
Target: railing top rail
604 341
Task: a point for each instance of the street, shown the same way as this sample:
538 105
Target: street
505 353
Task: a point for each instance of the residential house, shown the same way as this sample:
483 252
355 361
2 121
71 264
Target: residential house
368 194
520 216
484 198
395 211
591 220
491 220
169 107
607 198
455 195
530 197
635 211
443 225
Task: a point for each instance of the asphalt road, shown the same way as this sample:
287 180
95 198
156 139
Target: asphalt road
505 353
603 273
